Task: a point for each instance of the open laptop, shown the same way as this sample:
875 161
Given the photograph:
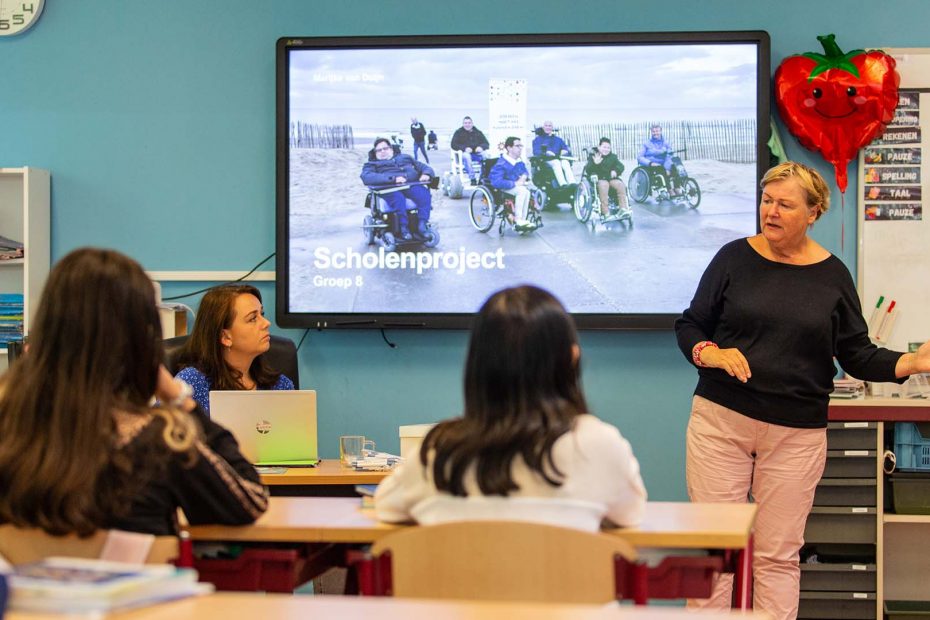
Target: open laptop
273 427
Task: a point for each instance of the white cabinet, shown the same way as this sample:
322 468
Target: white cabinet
24 217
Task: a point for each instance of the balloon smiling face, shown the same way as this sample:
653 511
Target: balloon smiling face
835 100
837 103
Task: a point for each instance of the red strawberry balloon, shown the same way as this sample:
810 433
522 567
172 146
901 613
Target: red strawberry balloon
837 103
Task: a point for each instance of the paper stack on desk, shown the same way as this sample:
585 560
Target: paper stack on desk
377 461
847 388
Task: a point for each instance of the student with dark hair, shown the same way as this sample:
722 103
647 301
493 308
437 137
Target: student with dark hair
81 448
225 349
525 448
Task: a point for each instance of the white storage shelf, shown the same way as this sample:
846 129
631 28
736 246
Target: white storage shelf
25 195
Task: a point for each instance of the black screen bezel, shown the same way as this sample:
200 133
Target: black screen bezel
611 321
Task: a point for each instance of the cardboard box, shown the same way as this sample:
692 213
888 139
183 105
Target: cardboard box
411 437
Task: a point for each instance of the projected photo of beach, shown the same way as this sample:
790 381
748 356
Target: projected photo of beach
702 95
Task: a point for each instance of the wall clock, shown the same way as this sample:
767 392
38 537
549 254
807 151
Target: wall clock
17 16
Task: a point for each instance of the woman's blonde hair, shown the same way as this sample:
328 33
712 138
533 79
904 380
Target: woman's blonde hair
818 194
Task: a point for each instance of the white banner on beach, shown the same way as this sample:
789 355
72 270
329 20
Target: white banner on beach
506 110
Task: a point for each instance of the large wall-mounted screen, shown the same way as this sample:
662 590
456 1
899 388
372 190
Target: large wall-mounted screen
401 193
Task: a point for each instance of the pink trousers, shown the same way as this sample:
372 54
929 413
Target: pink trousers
729 457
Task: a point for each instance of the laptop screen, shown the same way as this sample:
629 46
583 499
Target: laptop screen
273 427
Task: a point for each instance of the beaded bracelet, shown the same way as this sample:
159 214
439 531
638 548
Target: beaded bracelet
696 352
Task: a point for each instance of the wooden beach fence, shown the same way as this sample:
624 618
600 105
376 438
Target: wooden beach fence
732 141
311 135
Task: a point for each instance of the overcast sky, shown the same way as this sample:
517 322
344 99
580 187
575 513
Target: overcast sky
602 83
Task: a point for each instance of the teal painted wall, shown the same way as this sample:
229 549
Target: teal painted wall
156 120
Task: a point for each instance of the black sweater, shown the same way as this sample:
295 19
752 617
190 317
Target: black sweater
789 321
219 487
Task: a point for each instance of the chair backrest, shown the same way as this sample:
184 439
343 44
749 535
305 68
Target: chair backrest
505 561
26 545
486 165
281 356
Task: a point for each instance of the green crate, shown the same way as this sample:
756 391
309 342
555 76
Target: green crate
907 610
911 494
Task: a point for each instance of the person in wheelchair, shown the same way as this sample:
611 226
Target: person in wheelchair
510 175
471 142
656 153
606 166
387 167
548 145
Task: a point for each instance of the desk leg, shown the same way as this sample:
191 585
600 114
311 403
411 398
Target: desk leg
742 581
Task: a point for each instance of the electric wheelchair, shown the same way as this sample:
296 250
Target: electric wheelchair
381 227
548 192
646 181
488 204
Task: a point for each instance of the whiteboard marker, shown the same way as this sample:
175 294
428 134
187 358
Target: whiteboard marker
884 329
876 318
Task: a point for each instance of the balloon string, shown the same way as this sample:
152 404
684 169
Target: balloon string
843 224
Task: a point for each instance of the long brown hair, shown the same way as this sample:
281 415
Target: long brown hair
94 352
203 349
522 392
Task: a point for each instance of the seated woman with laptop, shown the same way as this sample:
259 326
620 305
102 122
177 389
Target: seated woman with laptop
526 447
81 445
225 349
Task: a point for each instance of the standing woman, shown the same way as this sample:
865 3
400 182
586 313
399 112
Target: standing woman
81 447
226 347
769 315
526 447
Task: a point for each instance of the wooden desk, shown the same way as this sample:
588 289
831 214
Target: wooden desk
870 409
682 525
679 525
230 606
328 473
666 525
328 479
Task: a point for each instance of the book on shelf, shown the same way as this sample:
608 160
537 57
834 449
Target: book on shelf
76 585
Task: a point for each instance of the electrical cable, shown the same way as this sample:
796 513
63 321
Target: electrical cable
204 290
306 331
389 343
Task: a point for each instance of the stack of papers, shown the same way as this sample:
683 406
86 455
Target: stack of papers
74 585
377 461
847 388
